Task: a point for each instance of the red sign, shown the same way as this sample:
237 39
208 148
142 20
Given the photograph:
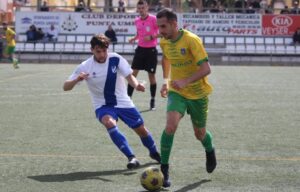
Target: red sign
280 25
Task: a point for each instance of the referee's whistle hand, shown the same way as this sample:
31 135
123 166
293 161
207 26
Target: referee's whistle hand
148 38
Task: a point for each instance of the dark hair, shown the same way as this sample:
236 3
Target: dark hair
142 2
99 40
168 13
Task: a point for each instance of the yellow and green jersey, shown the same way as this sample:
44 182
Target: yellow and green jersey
185 55
10 37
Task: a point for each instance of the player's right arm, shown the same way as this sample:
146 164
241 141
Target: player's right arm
166 71
69 84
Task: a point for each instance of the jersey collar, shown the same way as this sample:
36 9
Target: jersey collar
181 31
145 18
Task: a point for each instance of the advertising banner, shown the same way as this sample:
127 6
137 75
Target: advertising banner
280 25
222 24
212 24
77 23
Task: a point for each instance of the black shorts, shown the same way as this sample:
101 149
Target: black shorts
145 59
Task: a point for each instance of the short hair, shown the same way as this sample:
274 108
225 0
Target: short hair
99 40
142 2
168 13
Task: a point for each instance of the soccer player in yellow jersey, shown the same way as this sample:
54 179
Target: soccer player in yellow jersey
185 69
10 45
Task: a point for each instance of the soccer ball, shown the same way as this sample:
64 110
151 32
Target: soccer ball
152 179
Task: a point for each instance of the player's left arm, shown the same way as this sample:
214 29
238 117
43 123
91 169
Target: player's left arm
12 34
126 71
166 71
133 82
203 69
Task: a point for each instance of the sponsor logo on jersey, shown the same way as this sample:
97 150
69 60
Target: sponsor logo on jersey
183 51
114 69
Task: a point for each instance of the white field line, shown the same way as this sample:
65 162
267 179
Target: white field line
31 75
64 156
44 94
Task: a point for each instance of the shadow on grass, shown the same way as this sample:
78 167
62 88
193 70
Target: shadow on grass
186 188
85 175
145 110
193 185
159 190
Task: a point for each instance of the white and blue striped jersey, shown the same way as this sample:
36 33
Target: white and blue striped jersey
106 81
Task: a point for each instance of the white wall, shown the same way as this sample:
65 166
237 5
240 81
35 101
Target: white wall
3 5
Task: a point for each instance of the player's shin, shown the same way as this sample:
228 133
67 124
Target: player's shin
166 143
207 142
149 143
120 141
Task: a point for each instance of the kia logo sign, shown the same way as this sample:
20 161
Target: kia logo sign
282 21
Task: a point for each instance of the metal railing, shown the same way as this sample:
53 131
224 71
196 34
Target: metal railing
78 44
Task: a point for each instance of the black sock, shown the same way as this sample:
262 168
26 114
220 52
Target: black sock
153 90
129 90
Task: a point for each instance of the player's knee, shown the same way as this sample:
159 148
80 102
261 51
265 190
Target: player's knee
108 122
170 129
141 131
200 133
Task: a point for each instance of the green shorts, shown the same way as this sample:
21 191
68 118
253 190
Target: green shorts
9 50
196 108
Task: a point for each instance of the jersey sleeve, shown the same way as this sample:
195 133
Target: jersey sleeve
162 44
124 67
11 32
198 51
76 72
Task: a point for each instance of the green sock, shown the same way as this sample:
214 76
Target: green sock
166 143
207 142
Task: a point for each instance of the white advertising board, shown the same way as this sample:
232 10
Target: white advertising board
77 23
123 23
222 24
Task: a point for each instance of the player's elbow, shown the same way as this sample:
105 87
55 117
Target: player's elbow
66 87
207 68
208 71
